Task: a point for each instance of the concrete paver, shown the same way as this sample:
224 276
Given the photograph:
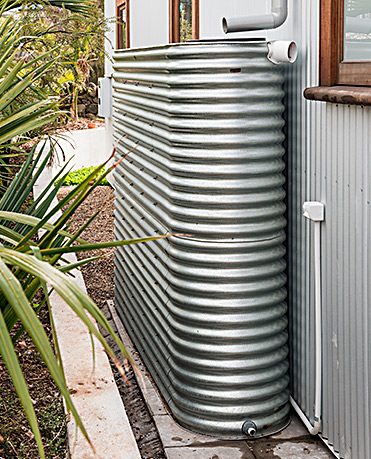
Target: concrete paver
296 429
173 435
306 449
302 450
92 388
212 452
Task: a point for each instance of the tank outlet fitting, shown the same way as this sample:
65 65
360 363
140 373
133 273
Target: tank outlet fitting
249 428
282 51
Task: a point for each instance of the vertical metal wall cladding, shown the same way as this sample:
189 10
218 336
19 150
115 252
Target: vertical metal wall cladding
205 308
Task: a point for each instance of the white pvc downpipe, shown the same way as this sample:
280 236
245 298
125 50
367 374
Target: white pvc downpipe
278 51
271 20
315 211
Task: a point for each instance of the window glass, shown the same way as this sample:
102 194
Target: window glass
123 21
185 17
357 30
122 27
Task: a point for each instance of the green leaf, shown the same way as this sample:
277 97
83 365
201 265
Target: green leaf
34 221
14 293
11 361
100 245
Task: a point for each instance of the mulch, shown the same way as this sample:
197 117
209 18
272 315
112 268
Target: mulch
98 274
79 124
16 438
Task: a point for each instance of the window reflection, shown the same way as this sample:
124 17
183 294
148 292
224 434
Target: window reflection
123 25
185 17
357 30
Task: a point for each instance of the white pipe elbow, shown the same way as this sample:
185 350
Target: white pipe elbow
272 20
312 429
279 13
282 51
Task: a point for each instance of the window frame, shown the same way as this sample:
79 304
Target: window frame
333 69
341 82
174 12
120 6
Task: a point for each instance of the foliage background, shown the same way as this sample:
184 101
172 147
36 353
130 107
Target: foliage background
77 40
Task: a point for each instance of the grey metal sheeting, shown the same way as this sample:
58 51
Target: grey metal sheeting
328 158
206 307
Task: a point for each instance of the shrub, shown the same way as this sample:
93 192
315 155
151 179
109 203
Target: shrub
77 177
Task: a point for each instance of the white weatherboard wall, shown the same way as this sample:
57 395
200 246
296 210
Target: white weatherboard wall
212 12
149 23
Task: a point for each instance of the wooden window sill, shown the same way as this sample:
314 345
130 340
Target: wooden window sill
349 95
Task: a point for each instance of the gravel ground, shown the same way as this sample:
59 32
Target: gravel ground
99 280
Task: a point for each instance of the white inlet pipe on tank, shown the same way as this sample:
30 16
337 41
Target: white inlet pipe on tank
271 20
282 51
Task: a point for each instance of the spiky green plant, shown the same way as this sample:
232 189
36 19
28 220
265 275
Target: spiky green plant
23 106
76 6
27 262
26 266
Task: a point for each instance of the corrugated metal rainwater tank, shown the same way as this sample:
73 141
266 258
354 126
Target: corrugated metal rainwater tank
206 310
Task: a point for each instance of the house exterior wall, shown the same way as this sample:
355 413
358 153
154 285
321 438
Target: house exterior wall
339 176
149 23
328 148
212 12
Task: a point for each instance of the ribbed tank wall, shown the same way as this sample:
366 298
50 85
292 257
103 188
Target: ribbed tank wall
206 307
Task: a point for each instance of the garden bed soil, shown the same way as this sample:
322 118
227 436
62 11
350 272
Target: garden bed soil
16 438
99 279
80 124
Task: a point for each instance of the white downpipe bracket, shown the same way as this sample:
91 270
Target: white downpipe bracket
272 20
315 211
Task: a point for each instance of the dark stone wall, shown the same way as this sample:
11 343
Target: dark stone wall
87 102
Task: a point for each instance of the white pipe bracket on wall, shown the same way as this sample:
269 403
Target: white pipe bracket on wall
314 210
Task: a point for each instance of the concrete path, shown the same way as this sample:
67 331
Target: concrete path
93 389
